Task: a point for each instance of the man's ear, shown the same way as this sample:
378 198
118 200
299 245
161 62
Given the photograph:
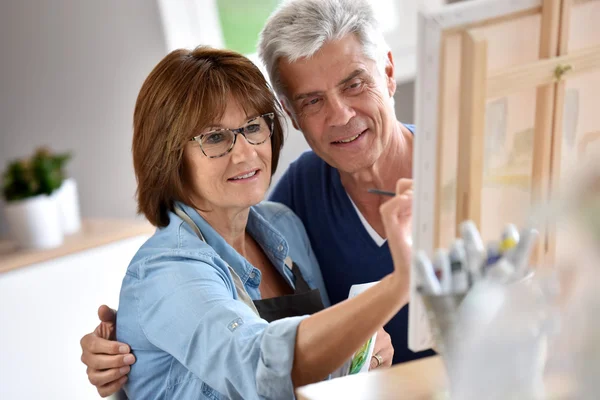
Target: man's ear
285 105
389 74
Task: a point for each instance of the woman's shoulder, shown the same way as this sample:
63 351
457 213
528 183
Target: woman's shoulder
174 243
281 218
166 264
276 213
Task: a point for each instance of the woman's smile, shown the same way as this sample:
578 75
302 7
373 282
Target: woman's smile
245 177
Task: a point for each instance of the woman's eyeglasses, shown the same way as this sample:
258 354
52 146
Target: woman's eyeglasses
219 142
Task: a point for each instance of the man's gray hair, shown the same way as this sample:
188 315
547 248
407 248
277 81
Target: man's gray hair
299 28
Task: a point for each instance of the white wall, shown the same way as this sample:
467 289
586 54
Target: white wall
70 71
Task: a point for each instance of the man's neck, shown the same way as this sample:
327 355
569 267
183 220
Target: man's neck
394 163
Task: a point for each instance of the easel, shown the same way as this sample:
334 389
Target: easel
458 75
548 74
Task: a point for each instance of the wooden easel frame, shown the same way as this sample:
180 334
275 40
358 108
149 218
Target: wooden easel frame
477 85
433 27
548 76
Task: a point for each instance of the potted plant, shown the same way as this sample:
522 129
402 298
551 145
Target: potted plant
32 208
67 197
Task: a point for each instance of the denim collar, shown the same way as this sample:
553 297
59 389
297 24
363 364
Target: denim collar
271 241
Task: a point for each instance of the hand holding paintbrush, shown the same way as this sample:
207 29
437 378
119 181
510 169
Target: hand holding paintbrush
396 215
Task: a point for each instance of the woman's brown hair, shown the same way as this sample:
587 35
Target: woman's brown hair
183 94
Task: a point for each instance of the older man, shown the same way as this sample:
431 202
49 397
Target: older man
334 75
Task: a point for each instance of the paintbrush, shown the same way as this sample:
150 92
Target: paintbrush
382 192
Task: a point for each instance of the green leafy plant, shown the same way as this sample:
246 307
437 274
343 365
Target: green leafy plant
43 173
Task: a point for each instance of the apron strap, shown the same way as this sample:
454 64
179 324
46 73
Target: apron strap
183 215
239 286
300 283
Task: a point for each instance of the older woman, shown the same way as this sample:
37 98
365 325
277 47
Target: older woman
226 299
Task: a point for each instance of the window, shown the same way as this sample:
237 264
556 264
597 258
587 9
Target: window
241 22
235 24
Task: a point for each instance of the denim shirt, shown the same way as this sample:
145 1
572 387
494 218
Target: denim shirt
180 313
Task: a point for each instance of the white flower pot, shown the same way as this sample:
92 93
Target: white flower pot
68 206
35 223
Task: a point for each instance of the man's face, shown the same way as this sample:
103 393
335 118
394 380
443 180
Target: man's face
341 103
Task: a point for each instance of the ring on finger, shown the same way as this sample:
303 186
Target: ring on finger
379 360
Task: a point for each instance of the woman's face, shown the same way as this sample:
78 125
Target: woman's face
238 179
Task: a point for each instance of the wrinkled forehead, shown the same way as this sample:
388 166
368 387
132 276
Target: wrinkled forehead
325 69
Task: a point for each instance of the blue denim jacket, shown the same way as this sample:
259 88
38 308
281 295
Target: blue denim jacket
179 311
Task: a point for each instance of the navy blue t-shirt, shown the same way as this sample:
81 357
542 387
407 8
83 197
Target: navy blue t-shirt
344 249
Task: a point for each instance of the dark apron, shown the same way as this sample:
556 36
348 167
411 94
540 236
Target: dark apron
304 300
